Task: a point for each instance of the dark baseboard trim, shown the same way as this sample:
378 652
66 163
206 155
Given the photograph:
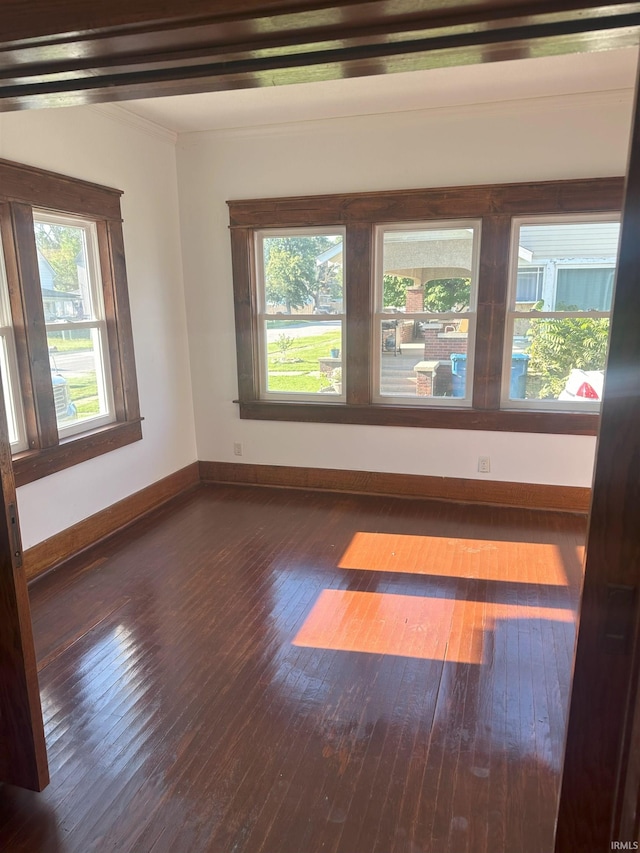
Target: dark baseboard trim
66 544
527 495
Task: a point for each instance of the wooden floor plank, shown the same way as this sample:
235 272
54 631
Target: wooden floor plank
256 670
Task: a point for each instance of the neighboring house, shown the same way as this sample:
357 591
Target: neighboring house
58 304
581 277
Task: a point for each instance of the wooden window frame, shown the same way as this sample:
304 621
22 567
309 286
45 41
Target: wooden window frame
494 205
513 314
23 189
264 316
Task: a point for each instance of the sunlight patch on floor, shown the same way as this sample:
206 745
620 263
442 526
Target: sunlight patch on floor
409 625
446 556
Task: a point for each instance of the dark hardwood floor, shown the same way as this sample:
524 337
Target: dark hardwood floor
272 671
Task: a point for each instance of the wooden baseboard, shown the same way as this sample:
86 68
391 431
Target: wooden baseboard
66 544
528 495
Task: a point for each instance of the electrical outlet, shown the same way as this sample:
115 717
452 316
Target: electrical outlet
484 464
237 448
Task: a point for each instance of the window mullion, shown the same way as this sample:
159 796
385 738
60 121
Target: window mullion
358 276
19 328
34 330
118 341
493 278
246 314
15 407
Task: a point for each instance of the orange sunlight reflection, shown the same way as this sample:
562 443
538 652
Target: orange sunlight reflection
484 559
408 625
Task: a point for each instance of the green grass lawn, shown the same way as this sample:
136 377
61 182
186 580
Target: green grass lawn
302 357
83 391
88 407
302 384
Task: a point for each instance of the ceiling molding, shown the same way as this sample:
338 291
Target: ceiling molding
68 52
584 101
120 114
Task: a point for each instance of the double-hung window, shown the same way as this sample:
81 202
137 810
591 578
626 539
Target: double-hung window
556 346
458 308
301 313
66 347
73 306
424 325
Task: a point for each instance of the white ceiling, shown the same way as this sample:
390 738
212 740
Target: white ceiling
440 87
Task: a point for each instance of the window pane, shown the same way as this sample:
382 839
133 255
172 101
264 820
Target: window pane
585 289
66 276
72 301
303 274
529 284
427 270
8 367
574 264
304 357
559 358
424 360
8 392
77 376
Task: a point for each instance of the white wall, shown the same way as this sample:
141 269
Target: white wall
536 139
90 144
542 138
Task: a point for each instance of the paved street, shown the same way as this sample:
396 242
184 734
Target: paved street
73 362
303 330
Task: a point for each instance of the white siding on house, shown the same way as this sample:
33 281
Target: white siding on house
577 259
580 240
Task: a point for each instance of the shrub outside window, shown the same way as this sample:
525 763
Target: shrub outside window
556 347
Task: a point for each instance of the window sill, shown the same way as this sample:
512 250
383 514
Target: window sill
31 465
561 423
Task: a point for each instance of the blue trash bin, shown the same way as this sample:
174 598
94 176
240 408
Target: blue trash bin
518 380
458 373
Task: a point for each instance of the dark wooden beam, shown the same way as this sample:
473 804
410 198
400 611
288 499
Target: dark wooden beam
63 53
539 197
40 19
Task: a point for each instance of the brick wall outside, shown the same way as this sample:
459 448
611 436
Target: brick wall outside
433 378
415 300
439 344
